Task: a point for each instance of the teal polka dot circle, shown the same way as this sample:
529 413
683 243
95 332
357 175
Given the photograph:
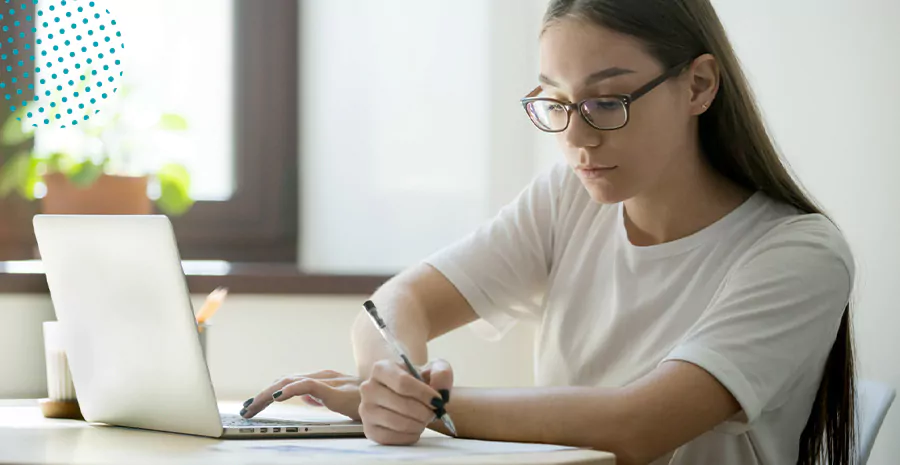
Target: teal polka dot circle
79 44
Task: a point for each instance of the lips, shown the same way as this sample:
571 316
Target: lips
595 172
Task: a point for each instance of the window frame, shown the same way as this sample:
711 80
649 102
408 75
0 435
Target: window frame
260 222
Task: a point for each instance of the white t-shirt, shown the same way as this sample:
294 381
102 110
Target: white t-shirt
755 299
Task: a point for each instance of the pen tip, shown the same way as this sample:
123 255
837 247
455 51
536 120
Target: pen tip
450 426
369 305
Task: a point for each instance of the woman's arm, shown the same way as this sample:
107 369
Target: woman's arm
419 305
639 423
502 265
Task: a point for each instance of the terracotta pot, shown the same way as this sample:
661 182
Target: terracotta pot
108 195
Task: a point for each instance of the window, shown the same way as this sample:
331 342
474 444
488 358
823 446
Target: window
179 59
408 125
230 68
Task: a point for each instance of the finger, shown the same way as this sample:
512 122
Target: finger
303 387
379 394
323 374
312 400
378 415
388 437
262 400
338 380
441 378
403 383
254 405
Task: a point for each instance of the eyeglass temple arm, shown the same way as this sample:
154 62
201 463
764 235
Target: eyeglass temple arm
656 82
537 90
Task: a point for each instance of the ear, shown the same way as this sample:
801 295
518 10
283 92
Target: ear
704 83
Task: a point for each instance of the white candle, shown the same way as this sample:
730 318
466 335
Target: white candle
59 379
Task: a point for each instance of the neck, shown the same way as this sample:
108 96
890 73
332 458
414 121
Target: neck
692 197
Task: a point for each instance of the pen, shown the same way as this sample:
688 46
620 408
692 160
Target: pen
392 341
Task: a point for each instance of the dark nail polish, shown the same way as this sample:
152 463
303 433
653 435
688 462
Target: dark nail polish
439 412
248 402
437 403
277 394
445 394
243 412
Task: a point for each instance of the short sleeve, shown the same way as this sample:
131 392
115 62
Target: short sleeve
503 267
776 315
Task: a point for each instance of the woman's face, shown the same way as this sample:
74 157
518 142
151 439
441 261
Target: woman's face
616 165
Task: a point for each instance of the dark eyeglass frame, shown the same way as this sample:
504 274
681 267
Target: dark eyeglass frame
626 99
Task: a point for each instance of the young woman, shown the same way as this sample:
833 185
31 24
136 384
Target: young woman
692 300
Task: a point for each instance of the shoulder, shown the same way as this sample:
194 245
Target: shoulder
810 245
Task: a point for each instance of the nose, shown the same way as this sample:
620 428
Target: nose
580 134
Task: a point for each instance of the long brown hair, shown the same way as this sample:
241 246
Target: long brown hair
736 143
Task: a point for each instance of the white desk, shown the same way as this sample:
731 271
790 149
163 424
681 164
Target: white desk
26 437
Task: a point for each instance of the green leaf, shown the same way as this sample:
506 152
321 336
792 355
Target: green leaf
26 190
60 163
172 122
175 185
19 173
12 133
85 173
174 172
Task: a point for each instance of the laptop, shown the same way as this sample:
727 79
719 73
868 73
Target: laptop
130 335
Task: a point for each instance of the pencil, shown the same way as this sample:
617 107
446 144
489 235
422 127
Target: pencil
211 305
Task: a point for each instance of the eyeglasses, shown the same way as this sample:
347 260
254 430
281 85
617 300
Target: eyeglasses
606 112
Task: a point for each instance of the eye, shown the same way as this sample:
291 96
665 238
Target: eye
605 104
555 107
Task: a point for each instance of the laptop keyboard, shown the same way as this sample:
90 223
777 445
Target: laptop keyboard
236 421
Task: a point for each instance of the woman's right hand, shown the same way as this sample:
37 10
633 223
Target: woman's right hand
396 407
336 391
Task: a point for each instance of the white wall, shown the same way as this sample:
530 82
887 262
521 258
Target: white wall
825 73
257 339
411 131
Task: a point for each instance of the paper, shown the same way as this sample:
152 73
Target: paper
276 451
433 445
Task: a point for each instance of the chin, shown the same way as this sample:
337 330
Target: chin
604 193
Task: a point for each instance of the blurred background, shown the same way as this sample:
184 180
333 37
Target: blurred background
347 139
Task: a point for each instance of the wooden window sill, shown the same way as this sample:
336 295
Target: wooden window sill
27 277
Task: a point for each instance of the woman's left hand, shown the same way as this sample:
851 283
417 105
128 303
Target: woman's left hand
336 391
395 407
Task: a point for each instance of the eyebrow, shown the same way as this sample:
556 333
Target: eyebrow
593 78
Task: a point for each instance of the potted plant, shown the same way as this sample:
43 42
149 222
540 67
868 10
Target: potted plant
95 168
